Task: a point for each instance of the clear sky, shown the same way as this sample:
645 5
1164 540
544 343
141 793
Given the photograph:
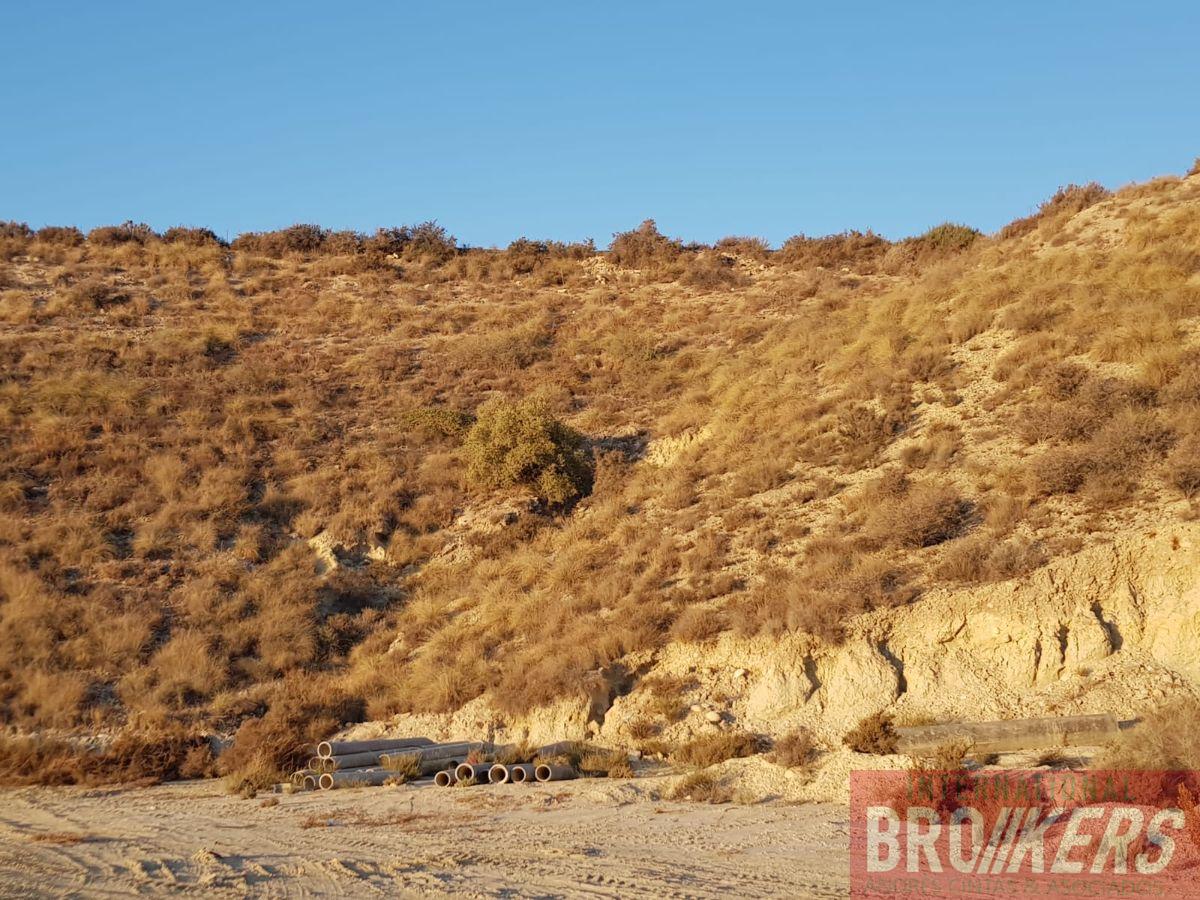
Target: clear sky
572 120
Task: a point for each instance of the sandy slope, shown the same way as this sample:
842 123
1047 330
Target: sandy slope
594 839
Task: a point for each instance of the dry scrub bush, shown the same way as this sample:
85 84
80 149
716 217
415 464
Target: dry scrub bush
192 237
144 758
665 696
301 239
902 514
855 250
836 582
1164 741
701 787
753 248
126 233
299 713
606 764
938 243
18 231
1183 466
58 235
794 750
1066 202
523 444
703 752
644 247
94 295
552 258
712 271
980 558
874 734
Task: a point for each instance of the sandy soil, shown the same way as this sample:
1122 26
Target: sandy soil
573 839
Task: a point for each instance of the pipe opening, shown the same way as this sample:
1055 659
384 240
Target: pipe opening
498 774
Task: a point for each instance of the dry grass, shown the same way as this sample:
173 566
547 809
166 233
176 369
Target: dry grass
61 838
692 440
606 763
874 734
701 787
132 757
795 750
709 750
1164 741
350 817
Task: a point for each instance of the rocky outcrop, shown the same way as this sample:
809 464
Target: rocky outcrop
1114 629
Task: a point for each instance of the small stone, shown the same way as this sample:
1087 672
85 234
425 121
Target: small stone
740 673
713 716
696 707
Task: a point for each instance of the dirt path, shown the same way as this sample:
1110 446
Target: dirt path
583 839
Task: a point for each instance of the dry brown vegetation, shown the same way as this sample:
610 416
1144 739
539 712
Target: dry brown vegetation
709 750
1164 741
874 734
701 787
526 464
795 750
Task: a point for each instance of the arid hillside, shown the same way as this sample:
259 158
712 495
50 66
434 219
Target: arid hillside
313 478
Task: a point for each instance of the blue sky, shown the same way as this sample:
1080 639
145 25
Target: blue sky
575 120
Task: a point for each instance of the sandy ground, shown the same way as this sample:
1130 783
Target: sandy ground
572 839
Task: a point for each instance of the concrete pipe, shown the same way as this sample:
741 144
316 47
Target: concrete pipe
319 764
554 773
353 760
439 760
556 749
364 777
309 783
433 766
498 774
522 773
1011 734
435 753
471 772
459 749
445 778
342 748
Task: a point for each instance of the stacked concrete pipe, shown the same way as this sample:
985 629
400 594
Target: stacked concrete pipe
471 773
522 773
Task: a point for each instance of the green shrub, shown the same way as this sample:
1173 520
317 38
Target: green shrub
522 443
436 421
